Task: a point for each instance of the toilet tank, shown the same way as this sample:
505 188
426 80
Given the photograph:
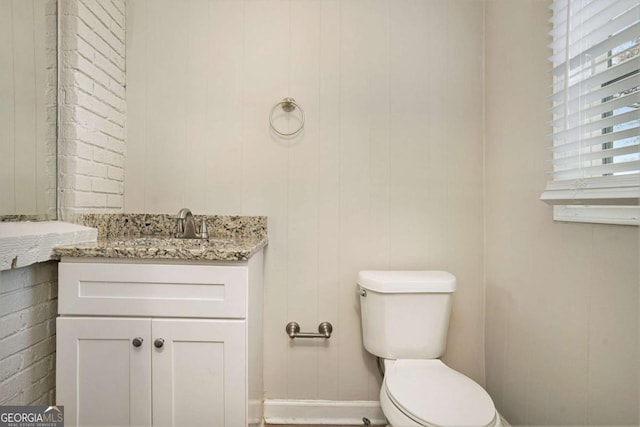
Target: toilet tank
405 314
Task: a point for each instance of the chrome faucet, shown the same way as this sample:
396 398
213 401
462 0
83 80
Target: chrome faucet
186 227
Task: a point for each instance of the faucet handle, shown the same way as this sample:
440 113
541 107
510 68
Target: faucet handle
179 227
204 233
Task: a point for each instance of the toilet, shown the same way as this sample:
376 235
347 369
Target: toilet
405 318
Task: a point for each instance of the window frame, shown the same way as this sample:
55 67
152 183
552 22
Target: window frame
608 197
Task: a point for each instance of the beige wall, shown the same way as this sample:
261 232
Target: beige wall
387 174
28 98
562 299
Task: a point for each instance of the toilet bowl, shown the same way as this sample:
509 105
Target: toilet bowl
405 318
429 393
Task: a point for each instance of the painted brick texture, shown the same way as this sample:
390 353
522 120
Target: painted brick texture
28 307
92 106
92 110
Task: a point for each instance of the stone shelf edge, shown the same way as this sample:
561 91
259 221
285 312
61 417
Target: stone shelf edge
26 243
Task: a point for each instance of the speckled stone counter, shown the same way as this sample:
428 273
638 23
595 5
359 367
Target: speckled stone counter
150 236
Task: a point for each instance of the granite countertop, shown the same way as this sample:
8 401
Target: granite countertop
148 236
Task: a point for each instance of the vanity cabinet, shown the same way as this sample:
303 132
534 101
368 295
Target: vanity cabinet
169 344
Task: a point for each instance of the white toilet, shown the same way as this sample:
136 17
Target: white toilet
405 317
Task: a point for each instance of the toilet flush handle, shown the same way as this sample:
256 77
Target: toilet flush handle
363 292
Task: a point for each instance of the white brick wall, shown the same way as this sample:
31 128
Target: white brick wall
92 106
92 112
28 307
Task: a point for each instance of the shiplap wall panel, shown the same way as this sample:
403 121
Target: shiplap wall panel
196 71
137 83
225 98
7 112
364 34
463 140
302 212
328 273
168 158
24 102
410 160
45 110
265 81
23 114
369 184
28 111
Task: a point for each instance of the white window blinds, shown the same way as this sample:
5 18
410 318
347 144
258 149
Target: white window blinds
596 111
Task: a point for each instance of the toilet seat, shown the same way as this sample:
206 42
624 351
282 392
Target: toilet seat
432 394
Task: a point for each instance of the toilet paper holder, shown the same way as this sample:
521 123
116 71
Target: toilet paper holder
324 331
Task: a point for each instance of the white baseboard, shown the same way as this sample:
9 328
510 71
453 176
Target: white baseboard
323 412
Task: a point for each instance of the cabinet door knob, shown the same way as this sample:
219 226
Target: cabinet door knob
137 341
159 342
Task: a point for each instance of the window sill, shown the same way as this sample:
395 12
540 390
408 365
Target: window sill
615 215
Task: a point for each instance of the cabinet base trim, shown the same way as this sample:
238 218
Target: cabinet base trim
332 412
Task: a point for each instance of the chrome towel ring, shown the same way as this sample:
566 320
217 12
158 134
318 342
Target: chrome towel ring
288 105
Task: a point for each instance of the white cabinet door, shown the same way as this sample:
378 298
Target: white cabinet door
199 373
102 378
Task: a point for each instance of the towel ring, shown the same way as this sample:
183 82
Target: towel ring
288 105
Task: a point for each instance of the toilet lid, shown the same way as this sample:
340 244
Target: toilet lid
432 393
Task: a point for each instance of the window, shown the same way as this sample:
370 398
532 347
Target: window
596 111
